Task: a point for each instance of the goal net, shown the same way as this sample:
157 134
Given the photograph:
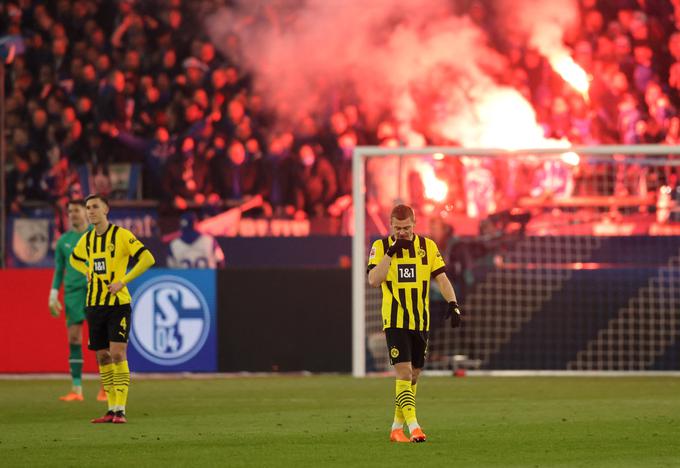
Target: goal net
562 259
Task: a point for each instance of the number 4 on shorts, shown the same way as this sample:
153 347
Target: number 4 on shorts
123 323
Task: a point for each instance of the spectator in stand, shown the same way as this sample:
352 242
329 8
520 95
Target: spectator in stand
73 145
85 111
151 110
111 106
194 75
21 185
187 177
62 184
156 153
315 183
237 177
179 30
208 55
235 116
629 116
343 164
38 133
278 174
643 72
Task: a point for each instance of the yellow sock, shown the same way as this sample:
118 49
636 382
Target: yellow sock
407 402
121 383
398 413
398 416
106 374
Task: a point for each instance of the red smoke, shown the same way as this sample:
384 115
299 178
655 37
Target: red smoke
434 71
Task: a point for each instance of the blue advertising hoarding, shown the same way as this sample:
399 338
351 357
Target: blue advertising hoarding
32 236
142 222
174 325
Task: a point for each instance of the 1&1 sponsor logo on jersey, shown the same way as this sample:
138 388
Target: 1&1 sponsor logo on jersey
170 320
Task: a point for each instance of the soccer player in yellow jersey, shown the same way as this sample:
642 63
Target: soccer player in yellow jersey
102 255
402 265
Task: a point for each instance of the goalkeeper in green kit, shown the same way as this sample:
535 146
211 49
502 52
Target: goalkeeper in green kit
75 290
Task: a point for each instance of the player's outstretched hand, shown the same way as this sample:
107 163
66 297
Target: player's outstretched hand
55 305
398 245
454 313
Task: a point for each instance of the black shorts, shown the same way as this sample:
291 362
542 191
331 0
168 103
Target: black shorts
407 346
107 324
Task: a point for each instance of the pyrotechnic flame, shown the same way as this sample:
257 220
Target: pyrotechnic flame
570 158
435 189
572 73
504 119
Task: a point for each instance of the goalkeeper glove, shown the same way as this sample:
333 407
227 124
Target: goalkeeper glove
454 313
55 305
398 245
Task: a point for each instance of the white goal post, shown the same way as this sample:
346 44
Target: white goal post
359 242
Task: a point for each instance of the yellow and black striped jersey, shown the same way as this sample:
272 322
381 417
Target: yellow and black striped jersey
406 290
106 259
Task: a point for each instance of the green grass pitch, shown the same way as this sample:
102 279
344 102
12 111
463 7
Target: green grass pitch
323 421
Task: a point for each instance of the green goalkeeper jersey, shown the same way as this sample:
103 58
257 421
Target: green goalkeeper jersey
73 279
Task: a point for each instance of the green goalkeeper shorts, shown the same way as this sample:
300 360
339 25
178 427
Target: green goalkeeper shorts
74 302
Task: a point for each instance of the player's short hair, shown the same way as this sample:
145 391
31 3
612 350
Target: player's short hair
403 212
76 201
97 196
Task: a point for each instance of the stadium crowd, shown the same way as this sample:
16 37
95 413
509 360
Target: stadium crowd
100 82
